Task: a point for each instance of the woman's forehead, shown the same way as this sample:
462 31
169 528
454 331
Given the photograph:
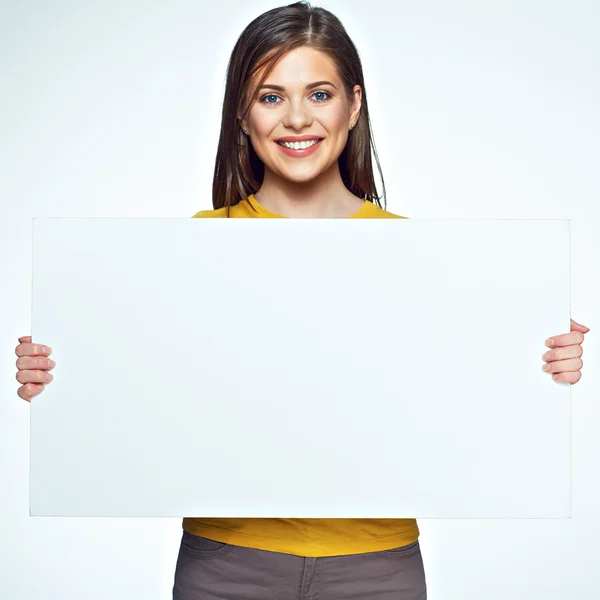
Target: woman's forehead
299 66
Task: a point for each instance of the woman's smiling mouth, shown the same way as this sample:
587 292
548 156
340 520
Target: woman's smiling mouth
299 148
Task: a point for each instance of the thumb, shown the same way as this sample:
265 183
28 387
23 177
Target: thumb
578 327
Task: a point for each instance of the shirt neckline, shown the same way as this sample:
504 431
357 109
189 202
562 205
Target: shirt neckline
258 207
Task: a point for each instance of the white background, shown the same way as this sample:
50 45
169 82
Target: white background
480 110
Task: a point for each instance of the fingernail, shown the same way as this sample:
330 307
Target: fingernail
546 356
555 376
51 363
47 350
551 342
547 367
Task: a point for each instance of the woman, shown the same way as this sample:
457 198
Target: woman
295 142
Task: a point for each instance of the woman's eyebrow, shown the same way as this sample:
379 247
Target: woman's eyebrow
280 88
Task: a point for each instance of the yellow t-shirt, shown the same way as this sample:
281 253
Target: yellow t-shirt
304 537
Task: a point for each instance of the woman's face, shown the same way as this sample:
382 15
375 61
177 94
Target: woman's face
290 105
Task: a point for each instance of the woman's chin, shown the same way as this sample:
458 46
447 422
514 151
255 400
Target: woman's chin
299 175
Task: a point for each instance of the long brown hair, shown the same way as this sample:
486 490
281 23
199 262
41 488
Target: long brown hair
238 170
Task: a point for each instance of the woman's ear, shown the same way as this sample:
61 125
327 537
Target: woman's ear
356 104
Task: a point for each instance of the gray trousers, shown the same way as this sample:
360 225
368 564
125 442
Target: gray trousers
209 570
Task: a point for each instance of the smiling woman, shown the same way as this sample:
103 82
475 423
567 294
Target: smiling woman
295 76
296 141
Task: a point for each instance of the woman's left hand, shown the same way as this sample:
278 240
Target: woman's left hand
564 360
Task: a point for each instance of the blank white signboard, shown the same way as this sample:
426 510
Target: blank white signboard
348 368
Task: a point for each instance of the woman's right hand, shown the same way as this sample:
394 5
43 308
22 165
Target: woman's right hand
33 362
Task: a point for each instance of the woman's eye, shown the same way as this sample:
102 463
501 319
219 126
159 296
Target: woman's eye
269 96
322 99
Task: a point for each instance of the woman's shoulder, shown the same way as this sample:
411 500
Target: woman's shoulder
372 211
211 214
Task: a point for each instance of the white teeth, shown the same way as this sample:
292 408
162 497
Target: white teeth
299 145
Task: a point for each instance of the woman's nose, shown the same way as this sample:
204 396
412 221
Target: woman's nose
298 115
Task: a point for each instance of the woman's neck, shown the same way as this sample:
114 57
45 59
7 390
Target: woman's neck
325 197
